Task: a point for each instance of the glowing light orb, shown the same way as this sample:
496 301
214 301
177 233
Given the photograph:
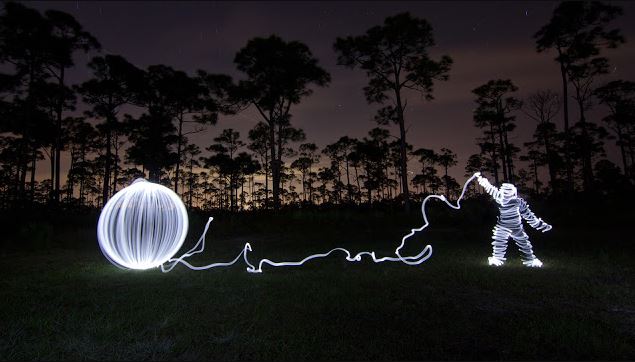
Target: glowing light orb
142 226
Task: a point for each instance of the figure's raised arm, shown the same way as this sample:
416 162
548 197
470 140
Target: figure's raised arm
533 221
489 188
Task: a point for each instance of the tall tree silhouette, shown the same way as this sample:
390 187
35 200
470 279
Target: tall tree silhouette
581 76
82 139
395 58
191 152
339 153
259 137
115 83
446 159
428 158
475 163
247 167
346 145
155 128
307 158
619 97
24 48
227 145
535 158
371 152
279 75
577 31
542 107
493 114
204 97
152 136
67 37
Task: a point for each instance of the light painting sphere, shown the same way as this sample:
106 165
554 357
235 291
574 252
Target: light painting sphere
142 226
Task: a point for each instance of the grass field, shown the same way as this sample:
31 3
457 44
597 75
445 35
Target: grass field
64 302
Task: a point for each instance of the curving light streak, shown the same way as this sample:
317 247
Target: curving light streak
145 224
409 260
142 226
198 248
509 225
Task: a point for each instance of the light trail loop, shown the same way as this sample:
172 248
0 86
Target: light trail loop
409 260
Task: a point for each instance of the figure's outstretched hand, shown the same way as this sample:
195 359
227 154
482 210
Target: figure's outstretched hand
544 227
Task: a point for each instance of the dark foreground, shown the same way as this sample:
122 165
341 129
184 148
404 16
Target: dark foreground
70 303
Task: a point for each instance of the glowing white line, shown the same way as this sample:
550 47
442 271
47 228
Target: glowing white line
425 216
409 260
144 225
198 248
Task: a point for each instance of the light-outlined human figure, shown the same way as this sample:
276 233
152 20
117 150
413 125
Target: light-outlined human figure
512 210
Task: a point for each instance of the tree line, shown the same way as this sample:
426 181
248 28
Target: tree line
274 165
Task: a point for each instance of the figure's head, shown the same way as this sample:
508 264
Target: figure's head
507 192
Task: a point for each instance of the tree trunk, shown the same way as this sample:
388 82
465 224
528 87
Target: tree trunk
631 152
106 186
536 181
303 185
402 151
69 179
242 194
494 154
178 155
266 166
620 141
348 181
567 134
275 170
359 189
550 165
503 152
32 181
52 174
58 136
190 182
25 166
115 168
83 177
277 201
510 161
447 183
587 168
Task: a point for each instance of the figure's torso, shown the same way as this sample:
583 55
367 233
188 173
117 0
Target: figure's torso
510 212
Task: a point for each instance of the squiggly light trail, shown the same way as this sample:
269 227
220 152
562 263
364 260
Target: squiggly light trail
409 260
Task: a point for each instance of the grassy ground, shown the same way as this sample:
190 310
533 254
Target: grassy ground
70 303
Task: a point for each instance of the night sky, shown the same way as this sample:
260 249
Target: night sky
487 40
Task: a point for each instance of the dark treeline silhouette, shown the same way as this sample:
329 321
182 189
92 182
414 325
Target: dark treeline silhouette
275 165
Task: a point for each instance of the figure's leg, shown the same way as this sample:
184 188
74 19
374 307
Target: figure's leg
524 245
500 235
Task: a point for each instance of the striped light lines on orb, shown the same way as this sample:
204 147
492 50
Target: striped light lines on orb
142 226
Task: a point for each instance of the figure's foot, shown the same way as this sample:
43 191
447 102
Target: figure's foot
492 260
534 263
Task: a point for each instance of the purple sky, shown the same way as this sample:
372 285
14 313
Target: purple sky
487 40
